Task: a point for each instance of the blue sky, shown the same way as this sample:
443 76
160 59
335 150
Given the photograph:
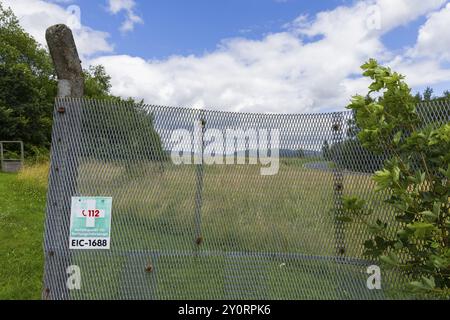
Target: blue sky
195 26
276 56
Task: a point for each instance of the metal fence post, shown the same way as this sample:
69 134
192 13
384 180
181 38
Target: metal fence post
338 182
338 189
22 154
199 172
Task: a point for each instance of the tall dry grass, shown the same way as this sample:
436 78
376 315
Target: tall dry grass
34 177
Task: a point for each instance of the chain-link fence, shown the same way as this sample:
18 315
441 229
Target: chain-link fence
257 219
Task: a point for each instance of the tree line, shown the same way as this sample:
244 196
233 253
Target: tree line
351 155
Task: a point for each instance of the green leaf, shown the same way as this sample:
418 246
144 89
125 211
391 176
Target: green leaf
377 227
353 203
429 282
421 229
424 284
429 215
422 177
397 137
437 208
395 174
390 259
382 178
446 173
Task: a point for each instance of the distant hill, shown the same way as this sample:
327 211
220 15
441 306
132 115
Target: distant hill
284 153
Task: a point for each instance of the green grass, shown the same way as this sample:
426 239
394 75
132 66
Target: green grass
21 236
244 216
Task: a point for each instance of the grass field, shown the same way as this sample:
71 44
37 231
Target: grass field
255 231
244 216
22 204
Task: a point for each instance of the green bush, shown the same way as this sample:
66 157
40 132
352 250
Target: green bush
416 178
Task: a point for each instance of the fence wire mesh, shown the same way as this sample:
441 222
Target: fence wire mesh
220 231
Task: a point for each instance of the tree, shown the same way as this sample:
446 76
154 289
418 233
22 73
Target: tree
446 94
127 133
97 83
27 83
416 180
125 123
428 94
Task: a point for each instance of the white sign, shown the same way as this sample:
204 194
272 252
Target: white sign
90 223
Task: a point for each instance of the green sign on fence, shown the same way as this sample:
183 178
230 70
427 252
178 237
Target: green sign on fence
90 223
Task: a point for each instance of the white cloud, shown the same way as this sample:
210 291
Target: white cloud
434 37
401 12
421 72
36 16
284 72
116 6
